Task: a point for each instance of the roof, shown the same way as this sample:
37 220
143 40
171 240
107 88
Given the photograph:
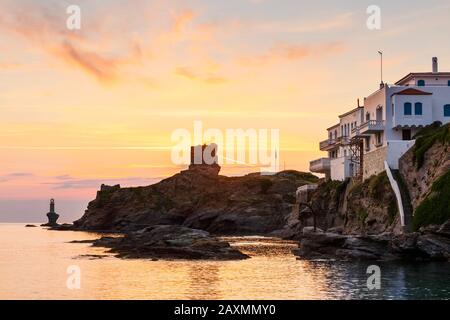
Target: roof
412 92
423 74
336 125
349 112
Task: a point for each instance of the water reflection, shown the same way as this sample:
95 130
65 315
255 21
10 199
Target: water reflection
204 281
33 264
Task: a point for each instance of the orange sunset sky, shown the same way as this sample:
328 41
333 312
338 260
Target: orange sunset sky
98 105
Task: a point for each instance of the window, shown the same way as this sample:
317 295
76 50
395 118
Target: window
448 83
447 110
407 109
406 134
421 83
378 139
418 108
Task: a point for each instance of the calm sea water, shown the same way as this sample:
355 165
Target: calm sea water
34 262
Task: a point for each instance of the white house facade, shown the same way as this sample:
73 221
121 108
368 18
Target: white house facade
383 129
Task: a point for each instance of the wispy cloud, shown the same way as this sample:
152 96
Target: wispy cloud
15 176
68 182
290 52
206 78
104 69
337 22
44 28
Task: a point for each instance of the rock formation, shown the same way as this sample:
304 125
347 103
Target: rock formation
170 242
432 243
199 198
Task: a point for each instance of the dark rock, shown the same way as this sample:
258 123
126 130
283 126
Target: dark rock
63 227
30 226
430 244
200 199
82 241
434 246
170 242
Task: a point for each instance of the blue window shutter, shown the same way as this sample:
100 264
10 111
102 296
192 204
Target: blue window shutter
407 109
418 108
447 110
421 83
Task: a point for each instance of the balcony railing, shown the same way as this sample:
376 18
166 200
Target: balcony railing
321 165
326 144
343 140
331 143
370 126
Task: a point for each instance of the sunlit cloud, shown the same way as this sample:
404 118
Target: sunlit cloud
68 182
288 52
335 23
15 176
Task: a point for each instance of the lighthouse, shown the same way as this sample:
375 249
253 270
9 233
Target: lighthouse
52 215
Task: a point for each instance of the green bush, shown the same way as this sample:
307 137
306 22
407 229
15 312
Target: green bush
356 189
362 215
377 185
435 208
426 138
392 210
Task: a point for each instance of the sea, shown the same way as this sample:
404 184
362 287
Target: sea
36 263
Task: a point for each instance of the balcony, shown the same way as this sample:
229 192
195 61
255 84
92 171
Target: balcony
321 165
343 141
369 127
327 144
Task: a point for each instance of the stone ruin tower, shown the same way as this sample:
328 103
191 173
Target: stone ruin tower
204 157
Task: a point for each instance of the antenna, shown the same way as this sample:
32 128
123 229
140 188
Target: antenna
381 57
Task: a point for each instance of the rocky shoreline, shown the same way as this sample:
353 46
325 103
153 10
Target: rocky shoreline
428 244
170 242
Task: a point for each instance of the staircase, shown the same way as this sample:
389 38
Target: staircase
406 200
403 199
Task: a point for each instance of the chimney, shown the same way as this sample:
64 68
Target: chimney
435 65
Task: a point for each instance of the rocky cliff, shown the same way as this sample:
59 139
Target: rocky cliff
201 199
356 208
425 170
360 220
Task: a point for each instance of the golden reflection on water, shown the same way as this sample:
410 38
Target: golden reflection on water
34 261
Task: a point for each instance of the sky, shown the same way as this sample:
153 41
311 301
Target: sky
79 108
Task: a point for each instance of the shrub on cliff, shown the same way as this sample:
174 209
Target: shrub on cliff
427 137
435 208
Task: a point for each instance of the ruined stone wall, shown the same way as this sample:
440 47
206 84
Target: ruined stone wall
374 162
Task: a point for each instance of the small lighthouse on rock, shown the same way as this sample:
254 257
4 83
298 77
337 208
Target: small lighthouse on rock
52 215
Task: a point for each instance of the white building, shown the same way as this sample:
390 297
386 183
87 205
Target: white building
383 129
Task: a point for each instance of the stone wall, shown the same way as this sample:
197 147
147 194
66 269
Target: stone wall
374 162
